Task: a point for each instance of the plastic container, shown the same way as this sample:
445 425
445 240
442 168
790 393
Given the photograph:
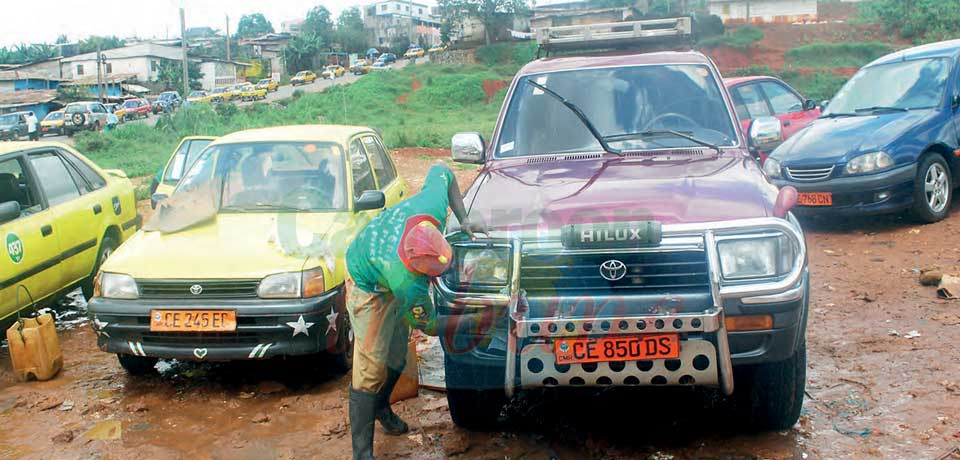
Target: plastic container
35 348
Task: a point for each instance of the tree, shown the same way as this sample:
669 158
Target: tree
253 25
299 52
494 14
62 39
170 73
319 24
89 44
350 31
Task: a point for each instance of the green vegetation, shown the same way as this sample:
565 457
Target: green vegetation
451 99
836 54
819 86
741 38
923 21
507 54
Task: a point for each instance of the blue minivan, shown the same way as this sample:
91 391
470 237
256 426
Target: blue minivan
888 141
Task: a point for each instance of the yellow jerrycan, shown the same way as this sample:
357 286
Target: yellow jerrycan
34 346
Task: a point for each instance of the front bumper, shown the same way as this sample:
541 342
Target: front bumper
870 194
264 328
505 345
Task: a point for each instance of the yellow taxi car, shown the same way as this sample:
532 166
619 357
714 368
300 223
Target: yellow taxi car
268 84
303 77
414 52
249 92
360 67
333 71
52 123
221 94
246 259
181 159
200 97
437 49
60 217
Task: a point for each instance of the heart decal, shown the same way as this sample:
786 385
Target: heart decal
200 353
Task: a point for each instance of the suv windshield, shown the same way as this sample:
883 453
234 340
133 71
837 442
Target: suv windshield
618 100
271 176
7 120
76 108
903 85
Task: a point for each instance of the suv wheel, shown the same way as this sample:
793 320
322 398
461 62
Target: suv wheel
107 246
95 126
932 189
769 396
137 365
470 408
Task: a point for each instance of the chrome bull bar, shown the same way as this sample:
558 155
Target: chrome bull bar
710 321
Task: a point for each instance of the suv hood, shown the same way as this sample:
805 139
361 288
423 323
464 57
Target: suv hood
241 246
827 141
532 194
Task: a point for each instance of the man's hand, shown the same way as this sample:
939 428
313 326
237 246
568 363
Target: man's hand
472 228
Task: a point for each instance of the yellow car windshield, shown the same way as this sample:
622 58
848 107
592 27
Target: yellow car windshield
271 177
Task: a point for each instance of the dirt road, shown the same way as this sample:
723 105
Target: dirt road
883 382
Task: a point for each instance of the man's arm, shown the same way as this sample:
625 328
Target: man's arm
455 200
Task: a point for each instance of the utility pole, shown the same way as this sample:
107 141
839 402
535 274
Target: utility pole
99 75
228 37
748 12
183 49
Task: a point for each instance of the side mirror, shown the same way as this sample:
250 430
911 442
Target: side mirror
823 104
766 134
9 210
809 104
156 198
371 199
468 148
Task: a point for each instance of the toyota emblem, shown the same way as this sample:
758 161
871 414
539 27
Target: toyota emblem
613 270
196 289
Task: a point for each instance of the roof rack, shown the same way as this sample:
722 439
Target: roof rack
614 34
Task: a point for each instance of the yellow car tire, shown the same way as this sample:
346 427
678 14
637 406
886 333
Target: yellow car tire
137 365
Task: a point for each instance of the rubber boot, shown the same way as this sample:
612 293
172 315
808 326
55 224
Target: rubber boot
363 407
392 423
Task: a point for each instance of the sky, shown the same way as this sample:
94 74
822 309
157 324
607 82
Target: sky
44 21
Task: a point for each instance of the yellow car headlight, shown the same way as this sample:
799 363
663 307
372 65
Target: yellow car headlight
118 286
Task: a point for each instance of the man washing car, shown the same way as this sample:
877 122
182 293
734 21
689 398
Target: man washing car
391 262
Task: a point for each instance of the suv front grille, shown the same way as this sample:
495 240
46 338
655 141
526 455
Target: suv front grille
210 289
809 174
677 272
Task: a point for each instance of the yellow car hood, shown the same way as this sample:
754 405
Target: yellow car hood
241 246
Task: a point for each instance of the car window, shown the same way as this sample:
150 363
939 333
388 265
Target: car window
781 99
93 178
382 166
360 165
184 157
15 185
54 179
753 101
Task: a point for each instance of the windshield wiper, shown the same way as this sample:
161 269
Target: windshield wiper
662 132
838 115
261 207
880 108
582 116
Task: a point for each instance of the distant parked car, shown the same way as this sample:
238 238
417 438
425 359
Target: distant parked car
761 96
221 94
199 97
886 142
333 71
387 58
268 84
13 126
52 123
249 92
360 67
380 65
85 116
437 49
167 102
414 52
303 77
137 108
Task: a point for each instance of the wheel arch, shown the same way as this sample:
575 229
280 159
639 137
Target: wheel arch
112 231
952 160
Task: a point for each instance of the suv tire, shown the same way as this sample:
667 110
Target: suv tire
473 409
137 365
934 172
107 246
769 396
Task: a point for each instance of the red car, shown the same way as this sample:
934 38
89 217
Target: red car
761 96
137 108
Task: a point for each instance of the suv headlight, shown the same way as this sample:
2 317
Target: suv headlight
292 285
478 268
868 163
761 257
117 286
772 169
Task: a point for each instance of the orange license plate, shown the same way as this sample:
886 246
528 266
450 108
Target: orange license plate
193 320
815 199
623 348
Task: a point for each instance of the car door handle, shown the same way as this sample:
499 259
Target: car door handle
97 209
401 193
46 230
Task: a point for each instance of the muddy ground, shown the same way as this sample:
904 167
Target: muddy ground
883 382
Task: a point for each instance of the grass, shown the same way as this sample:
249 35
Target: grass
741 38
450 100
827 55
